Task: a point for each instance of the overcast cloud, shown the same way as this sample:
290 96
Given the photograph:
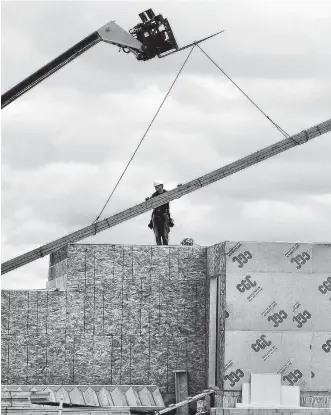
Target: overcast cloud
66 142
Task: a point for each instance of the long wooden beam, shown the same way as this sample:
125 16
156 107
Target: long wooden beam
173 194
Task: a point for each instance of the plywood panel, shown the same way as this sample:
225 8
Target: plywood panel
322 258
287 353
253 301
311 308
275 301
321 361
268 257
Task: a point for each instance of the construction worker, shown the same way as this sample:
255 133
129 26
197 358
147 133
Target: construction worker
161 220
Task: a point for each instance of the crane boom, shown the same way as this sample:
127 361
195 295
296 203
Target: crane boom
173 194
148 39
111 33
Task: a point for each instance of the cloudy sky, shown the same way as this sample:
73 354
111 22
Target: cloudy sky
65 143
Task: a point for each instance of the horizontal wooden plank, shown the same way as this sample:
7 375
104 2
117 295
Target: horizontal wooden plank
173 194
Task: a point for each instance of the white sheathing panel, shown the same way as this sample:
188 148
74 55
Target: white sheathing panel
265 389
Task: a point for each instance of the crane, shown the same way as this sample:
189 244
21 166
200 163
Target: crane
148 39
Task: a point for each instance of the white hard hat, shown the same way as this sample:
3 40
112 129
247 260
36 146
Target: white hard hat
157 183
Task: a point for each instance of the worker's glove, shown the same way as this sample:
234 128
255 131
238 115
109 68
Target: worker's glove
171 223
150 225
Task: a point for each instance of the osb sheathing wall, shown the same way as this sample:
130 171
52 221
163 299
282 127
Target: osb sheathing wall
130 315
135 314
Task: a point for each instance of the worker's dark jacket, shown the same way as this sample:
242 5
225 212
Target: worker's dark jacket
161 210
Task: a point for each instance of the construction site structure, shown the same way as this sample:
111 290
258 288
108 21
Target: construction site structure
178 318
132 329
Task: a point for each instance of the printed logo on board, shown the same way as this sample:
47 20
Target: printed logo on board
261 343
302 318
228 365
293 377
254 294
242 258
233 249
296 306
246 284
327 346
325 286
301 259
269 309
269 353
234 377
278 318
287 365
293 249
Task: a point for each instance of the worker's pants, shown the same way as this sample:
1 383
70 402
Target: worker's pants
161 229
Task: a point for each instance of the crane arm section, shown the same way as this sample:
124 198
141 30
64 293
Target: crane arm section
110 33
148 39
173 194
